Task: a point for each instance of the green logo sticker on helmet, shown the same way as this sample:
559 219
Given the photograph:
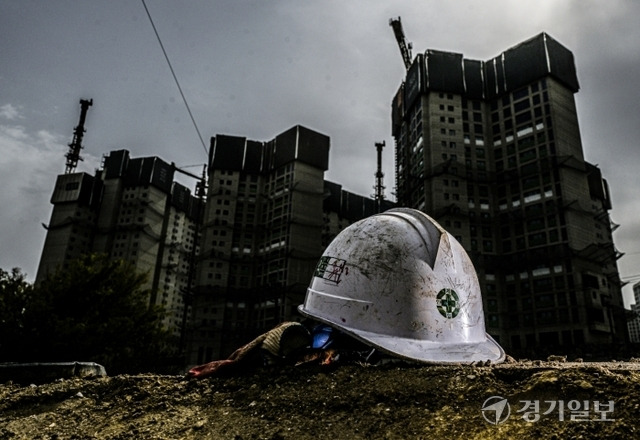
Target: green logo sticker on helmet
448 303
330 269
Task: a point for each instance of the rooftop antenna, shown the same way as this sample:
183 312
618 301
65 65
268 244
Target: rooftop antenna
379 195
405 46
73 156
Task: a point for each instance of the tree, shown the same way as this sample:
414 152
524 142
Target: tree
94 309
15 294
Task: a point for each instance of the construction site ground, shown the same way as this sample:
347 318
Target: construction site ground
576 400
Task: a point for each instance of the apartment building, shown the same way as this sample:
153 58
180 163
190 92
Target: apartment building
131 210
492 150
269 216
633 325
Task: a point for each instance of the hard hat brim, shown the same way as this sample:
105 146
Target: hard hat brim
429 352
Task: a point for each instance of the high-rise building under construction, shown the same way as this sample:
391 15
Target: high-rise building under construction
492 151
242 258
131 209
269 214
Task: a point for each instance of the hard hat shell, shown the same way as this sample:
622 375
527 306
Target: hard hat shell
399 282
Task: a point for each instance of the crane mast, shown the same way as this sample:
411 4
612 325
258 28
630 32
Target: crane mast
379 188
73 156
405 46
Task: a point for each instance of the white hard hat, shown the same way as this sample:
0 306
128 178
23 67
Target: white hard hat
399 282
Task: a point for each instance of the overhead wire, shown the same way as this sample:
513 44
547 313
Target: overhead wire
175 77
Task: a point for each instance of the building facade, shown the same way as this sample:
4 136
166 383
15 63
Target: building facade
342 208
131 210
633 325
224 268
492 151
269 215
261 236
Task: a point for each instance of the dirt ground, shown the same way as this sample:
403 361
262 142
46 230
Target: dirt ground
393 401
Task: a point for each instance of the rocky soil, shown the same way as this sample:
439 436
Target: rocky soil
394 401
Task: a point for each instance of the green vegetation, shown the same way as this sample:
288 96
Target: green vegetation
93 310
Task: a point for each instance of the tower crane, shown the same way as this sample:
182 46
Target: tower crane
73 156
405 46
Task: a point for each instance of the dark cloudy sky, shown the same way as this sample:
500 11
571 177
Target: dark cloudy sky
255 68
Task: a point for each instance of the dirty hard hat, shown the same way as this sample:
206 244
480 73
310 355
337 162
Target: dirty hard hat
401 283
